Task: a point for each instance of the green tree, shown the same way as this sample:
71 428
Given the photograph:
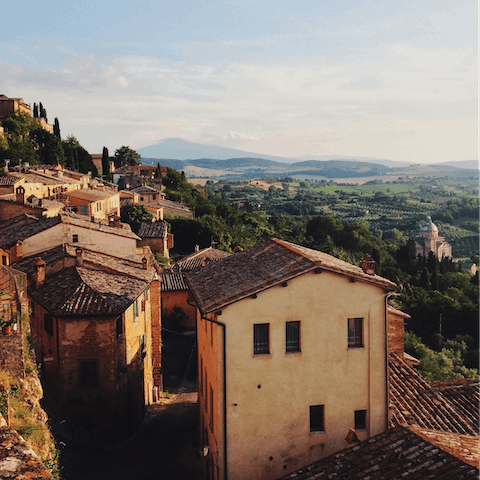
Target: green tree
126 156
134 215
56 128
48 146
106 164
42 112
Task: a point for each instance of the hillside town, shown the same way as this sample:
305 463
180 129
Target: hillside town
296 357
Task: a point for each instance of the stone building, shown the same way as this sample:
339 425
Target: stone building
96 324
16 106
292 355
156 236
431 241
28 235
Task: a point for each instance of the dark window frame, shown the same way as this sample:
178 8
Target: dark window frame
48 323
75 238
88 373
292 336
355 332
261 338
360 419
317 418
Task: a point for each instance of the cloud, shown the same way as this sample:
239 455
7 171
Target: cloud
288 107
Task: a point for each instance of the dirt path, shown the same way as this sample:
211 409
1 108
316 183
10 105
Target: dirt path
164 448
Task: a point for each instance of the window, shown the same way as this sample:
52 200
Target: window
75 238
143 345
292 337
261 338
317 418
360 419
83 209
48 323
355 332
135 309
88 373
4 259
119 326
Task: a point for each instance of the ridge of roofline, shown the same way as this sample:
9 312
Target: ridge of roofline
375 279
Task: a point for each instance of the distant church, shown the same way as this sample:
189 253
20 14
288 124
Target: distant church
430 241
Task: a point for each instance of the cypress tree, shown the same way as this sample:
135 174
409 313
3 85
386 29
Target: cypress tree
43 112
35 110
56 129
106 164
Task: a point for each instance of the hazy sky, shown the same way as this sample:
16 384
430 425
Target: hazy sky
385 79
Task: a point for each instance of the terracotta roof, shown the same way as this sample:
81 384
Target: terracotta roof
174 208
90 258
12 233
90 194
157 229
84 291
146 190
463 447
413 401
123 231
8 179
173 282
208 252
397 311
464 395
261 267
396 454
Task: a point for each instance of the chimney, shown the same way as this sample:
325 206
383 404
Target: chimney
368 264
78 253
145 263
20 194
40 272
197 248
18 250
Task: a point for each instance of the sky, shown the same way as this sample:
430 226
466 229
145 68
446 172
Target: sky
378 78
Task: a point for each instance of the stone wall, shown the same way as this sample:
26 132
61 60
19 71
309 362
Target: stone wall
17 459
11 355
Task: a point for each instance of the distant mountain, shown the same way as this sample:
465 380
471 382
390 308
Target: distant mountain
178 149
180 153
470 164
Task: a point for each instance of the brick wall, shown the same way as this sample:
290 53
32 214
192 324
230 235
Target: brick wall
12 209
395 333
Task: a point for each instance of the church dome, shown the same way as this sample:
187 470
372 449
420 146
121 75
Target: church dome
429 226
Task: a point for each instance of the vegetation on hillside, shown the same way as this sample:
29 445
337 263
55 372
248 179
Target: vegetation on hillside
441 298
25 141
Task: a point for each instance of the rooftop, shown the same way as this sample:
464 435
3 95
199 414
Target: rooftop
158 229
399 453
100 261
13 231
264 266
91 194
414 402
84 291
173 282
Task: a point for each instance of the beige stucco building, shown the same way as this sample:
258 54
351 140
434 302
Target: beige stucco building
292 357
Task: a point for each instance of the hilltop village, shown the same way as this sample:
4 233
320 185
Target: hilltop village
297 356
